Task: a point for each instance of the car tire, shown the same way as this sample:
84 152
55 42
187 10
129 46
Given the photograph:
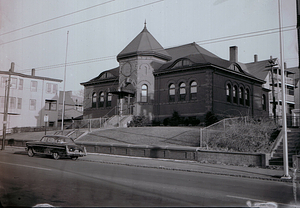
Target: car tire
74 158
30 152
55 155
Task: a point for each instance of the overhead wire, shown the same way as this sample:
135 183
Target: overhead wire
209 41
54 18
85 21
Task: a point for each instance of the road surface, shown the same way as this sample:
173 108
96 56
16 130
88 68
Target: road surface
27 181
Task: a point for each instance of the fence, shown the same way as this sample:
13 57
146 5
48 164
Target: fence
291 121
88 123
218 129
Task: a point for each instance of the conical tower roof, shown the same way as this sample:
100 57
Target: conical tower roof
144 44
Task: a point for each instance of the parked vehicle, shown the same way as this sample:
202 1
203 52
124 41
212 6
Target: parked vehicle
57 146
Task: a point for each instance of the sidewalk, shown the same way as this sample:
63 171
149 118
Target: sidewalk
190 166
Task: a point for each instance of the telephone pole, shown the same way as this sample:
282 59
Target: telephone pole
6 105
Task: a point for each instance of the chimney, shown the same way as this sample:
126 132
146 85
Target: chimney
255 57
32 72
233 50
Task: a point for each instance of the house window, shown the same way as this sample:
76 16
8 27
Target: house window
13 83
2 101
235 94
94 100
242 95
263 102
228 92
108 100
12 102
3 81
21 84
247 97
290 90
33 87
50 105
193 90
32 104
101 99
144 97
182 92
51 88
19 103
171 93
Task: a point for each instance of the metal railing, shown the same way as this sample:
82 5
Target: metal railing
218 129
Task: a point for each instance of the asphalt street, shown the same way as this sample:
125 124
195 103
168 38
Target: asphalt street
106 180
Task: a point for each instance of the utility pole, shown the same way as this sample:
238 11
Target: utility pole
284 124
272 65
64 92
7 86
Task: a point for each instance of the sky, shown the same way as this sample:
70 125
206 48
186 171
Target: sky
87 35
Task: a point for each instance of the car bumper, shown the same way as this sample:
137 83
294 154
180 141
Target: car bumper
76 153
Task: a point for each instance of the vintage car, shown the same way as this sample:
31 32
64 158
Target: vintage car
57 146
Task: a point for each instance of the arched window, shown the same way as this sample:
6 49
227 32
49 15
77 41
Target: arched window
228 92
193 90
101 99
263 102
94 100
144 97
108 99
242 95
171 93
182 92
247 97
235 94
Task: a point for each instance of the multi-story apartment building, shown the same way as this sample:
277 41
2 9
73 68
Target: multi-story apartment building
30 99
270 72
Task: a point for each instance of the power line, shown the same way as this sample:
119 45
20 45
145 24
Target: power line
246 35
38 23
47 31
221 39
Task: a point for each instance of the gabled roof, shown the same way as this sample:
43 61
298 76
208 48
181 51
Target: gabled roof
194 53
108 75
144 44
258 68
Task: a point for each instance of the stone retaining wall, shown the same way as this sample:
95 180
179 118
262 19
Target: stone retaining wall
171 152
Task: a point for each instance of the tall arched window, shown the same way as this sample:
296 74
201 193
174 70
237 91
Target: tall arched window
247 97
144 97
171 93
228 92
263 102
108 99
182 92
235 94
94 100
101 99
193 90
242 95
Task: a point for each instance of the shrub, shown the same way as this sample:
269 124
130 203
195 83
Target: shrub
210 118
253 136
138 121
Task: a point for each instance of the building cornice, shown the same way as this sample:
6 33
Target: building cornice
30 76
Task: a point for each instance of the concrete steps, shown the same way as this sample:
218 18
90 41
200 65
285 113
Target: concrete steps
293 136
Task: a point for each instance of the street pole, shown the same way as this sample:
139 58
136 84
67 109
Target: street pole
64 92
6 105
284 126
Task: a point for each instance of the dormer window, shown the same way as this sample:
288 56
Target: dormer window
182 63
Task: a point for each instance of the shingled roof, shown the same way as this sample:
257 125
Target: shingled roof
144 44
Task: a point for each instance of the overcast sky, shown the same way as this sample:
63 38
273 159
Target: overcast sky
33 33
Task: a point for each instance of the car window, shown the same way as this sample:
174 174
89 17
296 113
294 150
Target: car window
50 139
44 139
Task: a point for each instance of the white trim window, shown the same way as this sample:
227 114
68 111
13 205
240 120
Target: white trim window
32 104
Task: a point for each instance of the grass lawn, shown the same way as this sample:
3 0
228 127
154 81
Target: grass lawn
165 136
